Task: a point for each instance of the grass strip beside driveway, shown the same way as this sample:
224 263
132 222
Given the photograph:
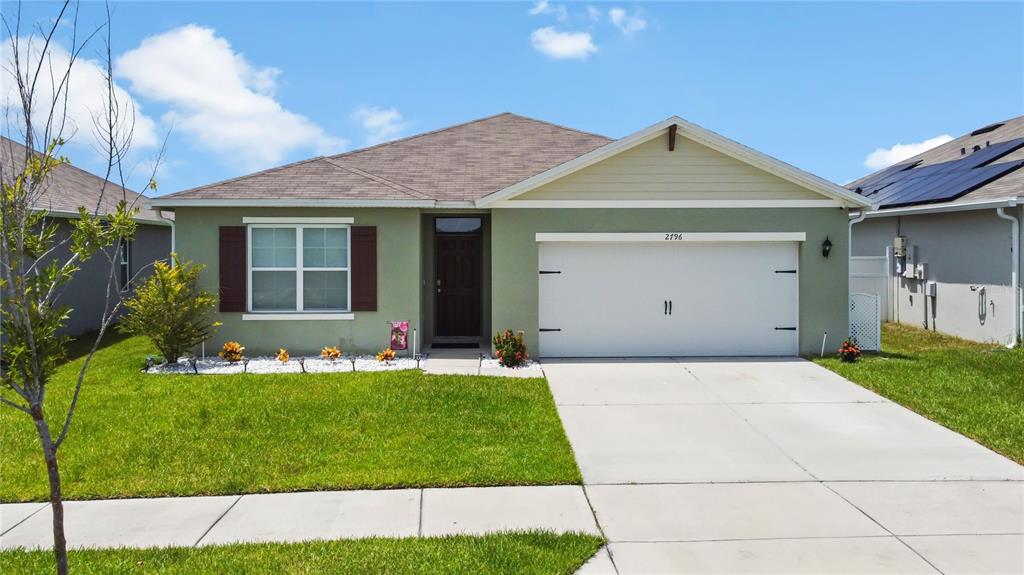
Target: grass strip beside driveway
138 435
972 388
532 553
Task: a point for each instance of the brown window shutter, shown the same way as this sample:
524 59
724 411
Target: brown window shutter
232 268
364 268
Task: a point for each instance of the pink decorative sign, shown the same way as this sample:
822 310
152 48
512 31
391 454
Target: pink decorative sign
399 335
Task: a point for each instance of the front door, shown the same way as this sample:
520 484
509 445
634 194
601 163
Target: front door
458 250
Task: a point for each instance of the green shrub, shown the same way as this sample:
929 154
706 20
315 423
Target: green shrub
510 349
171 310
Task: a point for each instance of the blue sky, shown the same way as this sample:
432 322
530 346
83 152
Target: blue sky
248 85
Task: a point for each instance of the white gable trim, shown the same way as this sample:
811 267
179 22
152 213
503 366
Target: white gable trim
693 132
665 204
673 237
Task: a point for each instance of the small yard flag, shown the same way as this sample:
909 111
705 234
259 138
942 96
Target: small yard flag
399 335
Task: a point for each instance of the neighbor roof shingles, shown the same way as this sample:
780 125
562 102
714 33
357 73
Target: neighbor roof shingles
70 187
1009 186
463 162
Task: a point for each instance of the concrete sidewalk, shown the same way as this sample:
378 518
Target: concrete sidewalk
288 517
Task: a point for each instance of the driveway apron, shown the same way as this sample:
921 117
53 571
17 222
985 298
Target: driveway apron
778 465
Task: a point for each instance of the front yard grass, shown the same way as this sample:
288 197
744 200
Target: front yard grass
138 435
534 553
972 388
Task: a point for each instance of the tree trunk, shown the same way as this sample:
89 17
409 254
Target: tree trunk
60 544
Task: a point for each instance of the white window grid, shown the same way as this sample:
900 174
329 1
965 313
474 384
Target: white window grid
298 268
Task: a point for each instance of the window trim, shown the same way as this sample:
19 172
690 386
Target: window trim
124 264
299 269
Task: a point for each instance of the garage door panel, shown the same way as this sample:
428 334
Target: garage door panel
609 299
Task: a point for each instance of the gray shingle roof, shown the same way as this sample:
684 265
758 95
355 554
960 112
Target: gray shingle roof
459 163
70 187
1009 186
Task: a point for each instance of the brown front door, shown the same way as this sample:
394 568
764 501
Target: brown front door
457 283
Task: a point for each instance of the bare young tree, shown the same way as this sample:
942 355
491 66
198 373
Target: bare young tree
37 261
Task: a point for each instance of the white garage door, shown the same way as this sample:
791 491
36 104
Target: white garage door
652 299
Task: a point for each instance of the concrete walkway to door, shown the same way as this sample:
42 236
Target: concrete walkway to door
744 466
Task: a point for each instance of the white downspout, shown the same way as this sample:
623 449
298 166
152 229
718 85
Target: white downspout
160 214
1015 271
849 260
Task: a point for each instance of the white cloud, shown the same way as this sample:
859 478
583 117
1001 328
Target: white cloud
563 45
381 124
885 157
627 24
86 93
593 13
545 7
218 98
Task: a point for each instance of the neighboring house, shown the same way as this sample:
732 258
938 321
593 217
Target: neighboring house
956 210
67 189
671 241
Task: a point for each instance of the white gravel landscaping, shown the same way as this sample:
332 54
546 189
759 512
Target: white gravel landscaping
492 363
259 365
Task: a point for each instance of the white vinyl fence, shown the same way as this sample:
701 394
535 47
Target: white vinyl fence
870 274
866 320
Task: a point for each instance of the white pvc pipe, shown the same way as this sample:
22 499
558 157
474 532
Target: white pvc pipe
1014 273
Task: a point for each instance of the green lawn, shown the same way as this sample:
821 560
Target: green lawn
974 389
138 435
512 553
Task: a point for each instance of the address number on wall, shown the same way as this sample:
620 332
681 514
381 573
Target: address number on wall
674 237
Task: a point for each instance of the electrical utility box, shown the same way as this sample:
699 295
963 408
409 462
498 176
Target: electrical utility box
899 247
921 271
931 288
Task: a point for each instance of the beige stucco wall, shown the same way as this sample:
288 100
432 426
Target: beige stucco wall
650 171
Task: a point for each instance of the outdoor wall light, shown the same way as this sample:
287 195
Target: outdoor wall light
826 247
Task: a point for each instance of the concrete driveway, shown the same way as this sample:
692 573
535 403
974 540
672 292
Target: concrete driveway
753 466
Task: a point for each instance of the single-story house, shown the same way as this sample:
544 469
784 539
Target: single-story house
943 248
673 240
67 189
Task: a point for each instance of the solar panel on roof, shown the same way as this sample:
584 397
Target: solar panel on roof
994 152
936 188
910 183
949 187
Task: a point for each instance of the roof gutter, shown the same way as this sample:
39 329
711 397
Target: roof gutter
942 208
1018 304
75 215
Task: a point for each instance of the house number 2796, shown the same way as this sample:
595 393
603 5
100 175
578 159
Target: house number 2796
671 237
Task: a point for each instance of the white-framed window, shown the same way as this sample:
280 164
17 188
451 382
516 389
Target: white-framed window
124 277
299 268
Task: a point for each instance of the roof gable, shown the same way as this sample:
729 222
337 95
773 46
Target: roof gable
697 134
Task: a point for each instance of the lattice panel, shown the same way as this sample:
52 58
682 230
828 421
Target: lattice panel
866 321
